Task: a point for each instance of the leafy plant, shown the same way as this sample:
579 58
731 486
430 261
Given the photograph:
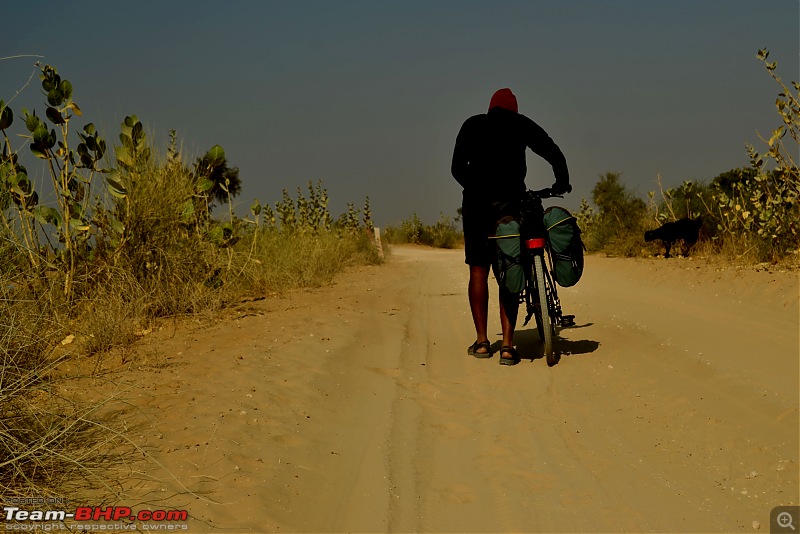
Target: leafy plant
586 218
763 202
71 172
286 212
368 224
215 178
349 221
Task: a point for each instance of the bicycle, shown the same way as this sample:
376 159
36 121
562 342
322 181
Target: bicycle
540 294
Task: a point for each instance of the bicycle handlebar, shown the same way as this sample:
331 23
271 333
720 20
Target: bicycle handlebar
544 193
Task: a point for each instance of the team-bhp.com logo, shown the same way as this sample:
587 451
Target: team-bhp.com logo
147 519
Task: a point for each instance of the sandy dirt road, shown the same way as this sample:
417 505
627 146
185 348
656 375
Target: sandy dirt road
354 408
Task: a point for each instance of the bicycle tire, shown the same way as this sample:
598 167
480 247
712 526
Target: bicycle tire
545 321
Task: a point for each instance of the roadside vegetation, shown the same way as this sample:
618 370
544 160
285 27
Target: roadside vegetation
749 215
445 233
116 239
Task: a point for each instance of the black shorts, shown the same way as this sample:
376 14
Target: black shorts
480 222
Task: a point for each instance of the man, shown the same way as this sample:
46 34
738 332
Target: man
489 163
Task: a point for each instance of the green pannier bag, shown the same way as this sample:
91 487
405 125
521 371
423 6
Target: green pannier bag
507 264
566 247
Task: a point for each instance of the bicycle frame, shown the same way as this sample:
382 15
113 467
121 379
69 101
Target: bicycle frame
535 243
538 246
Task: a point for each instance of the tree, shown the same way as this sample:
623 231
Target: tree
618 205
215 178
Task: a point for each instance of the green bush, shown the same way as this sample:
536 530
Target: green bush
617 228
442 234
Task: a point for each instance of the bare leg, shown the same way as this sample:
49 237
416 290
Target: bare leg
509 307
478 292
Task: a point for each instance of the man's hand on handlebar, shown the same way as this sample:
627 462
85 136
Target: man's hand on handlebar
542 194
560 189
557 190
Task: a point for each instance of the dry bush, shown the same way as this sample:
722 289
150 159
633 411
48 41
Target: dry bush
50 444
443 234
278 261
111 315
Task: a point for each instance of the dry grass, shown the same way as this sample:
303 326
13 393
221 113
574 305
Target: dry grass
50 445
278 261
56 440
744 253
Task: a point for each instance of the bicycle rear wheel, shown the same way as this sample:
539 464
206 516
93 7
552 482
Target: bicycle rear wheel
543 319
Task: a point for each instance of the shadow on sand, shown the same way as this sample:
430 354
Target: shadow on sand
529 344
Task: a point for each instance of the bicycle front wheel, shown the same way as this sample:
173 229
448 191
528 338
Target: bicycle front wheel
545 324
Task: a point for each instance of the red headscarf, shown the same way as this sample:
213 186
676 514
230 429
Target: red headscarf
504 98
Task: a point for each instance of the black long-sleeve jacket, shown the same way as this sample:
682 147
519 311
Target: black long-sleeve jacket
489 156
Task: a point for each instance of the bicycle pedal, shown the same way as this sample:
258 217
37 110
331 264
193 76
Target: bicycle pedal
567 320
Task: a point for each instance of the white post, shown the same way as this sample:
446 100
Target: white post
378 242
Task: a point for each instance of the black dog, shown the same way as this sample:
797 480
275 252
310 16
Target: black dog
687 230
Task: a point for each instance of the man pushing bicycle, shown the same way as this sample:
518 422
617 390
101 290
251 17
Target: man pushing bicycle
489 163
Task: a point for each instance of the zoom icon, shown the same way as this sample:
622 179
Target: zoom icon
784 519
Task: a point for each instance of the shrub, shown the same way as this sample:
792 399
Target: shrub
618 226
50 445
442 234
759 207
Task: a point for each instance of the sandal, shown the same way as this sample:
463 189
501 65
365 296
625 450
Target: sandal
473 349
509 360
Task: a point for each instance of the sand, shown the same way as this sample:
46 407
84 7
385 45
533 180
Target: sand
354 408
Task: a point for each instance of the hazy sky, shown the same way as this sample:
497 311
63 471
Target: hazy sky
369 96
